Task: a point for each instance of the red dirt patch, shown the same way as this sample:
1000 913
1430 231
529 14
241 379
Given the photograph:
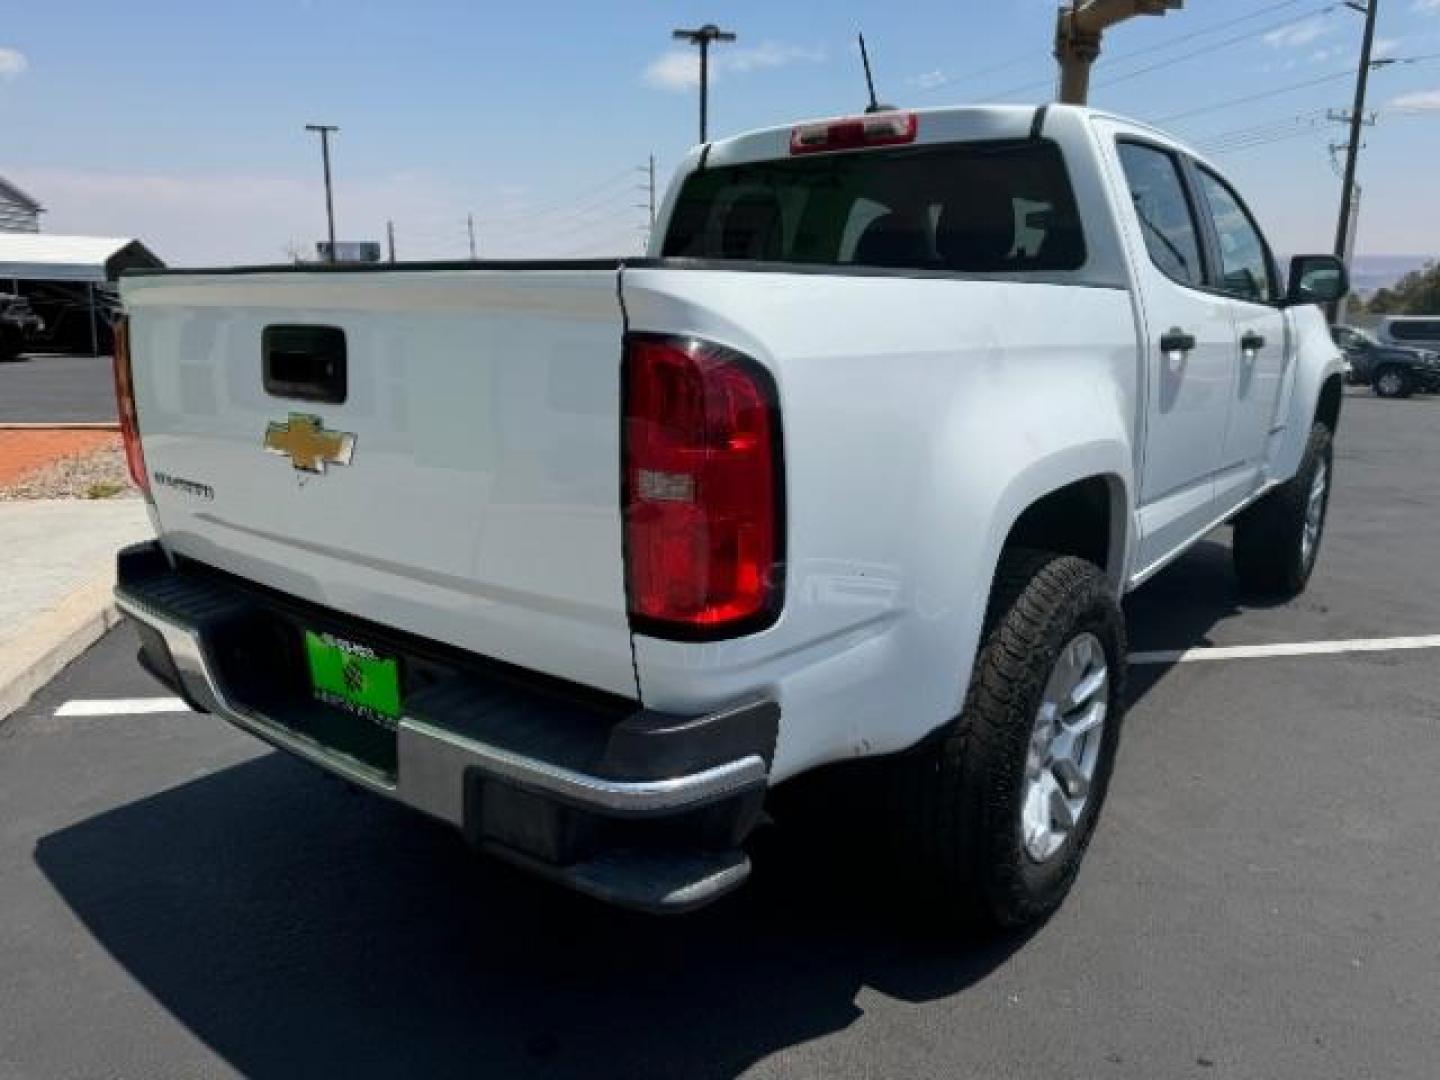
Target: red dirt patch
24 452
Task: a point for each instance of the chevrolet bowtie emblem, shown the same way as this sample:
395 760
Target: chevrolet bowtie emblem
309 446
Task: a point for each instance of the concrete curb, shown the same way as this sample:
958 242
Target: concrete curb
52 640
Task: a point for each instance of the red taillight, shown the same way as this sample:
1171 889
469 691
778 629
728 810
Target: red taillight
704 535
851 133
125 400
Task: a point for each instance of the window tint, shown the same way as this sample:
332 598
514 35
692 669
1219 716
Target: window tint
975 207
1164 211
1244 258
1420 330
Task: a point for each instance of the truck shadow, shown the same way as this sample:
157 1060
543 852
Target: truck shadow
1180 607
300 929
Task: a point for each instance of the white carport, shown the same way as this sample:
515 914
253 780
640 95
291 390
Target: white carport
69 270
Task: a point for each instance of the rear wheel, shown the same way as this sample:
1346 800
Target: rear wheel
1277 541
1392 382
995 816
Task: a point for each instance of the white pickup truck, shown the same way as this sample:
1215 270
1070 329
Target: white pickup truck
857 462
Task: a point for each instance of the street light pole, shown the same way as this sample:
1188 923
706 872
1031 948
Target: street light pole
324 131
704 36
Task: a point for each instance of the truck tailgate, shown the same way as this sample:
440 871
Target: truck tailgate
469 479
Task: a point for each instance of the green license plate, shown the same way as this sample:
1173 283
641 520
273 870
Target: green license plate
353 677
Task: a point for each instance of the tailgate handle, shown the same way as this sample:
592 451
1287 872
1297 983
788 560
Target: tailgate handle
305 362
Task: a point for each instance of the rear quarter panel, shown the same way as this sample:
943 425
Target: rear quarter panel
921 417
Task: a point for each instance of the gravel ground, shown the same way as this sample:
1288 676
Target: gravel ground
99 474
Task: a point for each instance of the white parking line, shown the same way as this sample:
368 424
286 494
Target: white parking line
1300 648
123 707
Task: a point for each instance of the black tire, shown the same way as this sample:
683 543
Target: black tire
1393 382
1269 551
956 800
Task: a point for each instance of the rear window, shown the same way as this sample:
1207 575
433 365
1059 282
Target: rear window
1416 330
971 208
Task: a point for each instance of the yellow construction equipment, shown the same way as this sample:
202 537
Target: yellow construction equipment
1079 31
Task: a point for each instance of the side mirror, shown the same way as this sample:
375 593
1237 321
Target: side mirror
1316 279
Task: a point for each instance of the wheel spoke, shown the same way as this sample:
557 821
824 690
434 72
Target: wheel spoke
1061 812
1072 781
1086 689
1087 721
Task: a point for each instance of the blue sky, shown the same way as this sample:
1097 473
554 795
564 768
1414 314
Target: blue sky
182 122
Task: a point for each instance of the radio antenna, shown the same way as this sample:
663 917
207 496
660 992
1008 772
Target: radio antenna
874 105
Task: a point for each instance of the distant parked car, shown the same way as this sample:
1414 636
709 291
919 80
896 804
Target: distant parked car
19 325
1393 371
1408 330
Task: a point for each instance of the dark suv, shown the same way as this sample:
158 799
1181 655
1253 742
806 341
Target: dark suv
18 325
1393 371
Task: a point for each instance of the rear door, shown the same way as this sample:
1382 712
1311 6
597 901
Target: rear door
437 451
1189 348
1243 269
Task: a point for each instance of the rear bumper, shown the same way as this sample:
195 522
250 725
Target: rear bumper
638 808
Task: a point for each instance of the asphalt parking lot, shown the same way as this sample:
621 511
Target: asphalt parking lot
43 389
1258 902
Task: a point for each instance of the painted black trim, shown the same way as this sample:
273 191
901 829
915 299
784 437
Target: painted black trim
612 263
1037 126
775 600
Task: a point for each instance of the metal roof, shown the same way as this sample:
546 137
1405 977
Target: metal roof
48 257
9 190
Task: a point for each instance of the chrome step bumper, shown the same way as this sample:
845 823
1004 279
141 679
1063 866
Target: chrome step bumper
594 798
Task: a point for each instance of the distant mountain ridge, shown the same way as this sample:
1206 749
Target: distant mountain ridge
1371 272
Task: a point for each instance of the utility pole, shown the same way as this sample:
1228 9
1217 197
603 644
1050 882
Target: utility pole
1357 121
648 188
390 238
704 36
325 131
1340 310
470 227
1078 35
652 192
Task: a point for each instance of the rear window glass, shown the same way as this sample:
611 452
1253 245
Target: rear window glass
1421 330
972 208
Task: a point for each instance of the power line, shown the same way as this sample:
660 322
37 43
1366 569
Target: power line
1191 54
549 205
1309 119
1245 100
1126 57
1241 148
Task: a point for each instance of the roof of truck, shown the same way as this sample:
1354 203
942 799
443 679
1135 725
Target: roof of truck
942 123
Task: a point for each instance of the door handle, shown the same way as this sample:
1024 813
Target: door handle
306 363
1252 342
1177 341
